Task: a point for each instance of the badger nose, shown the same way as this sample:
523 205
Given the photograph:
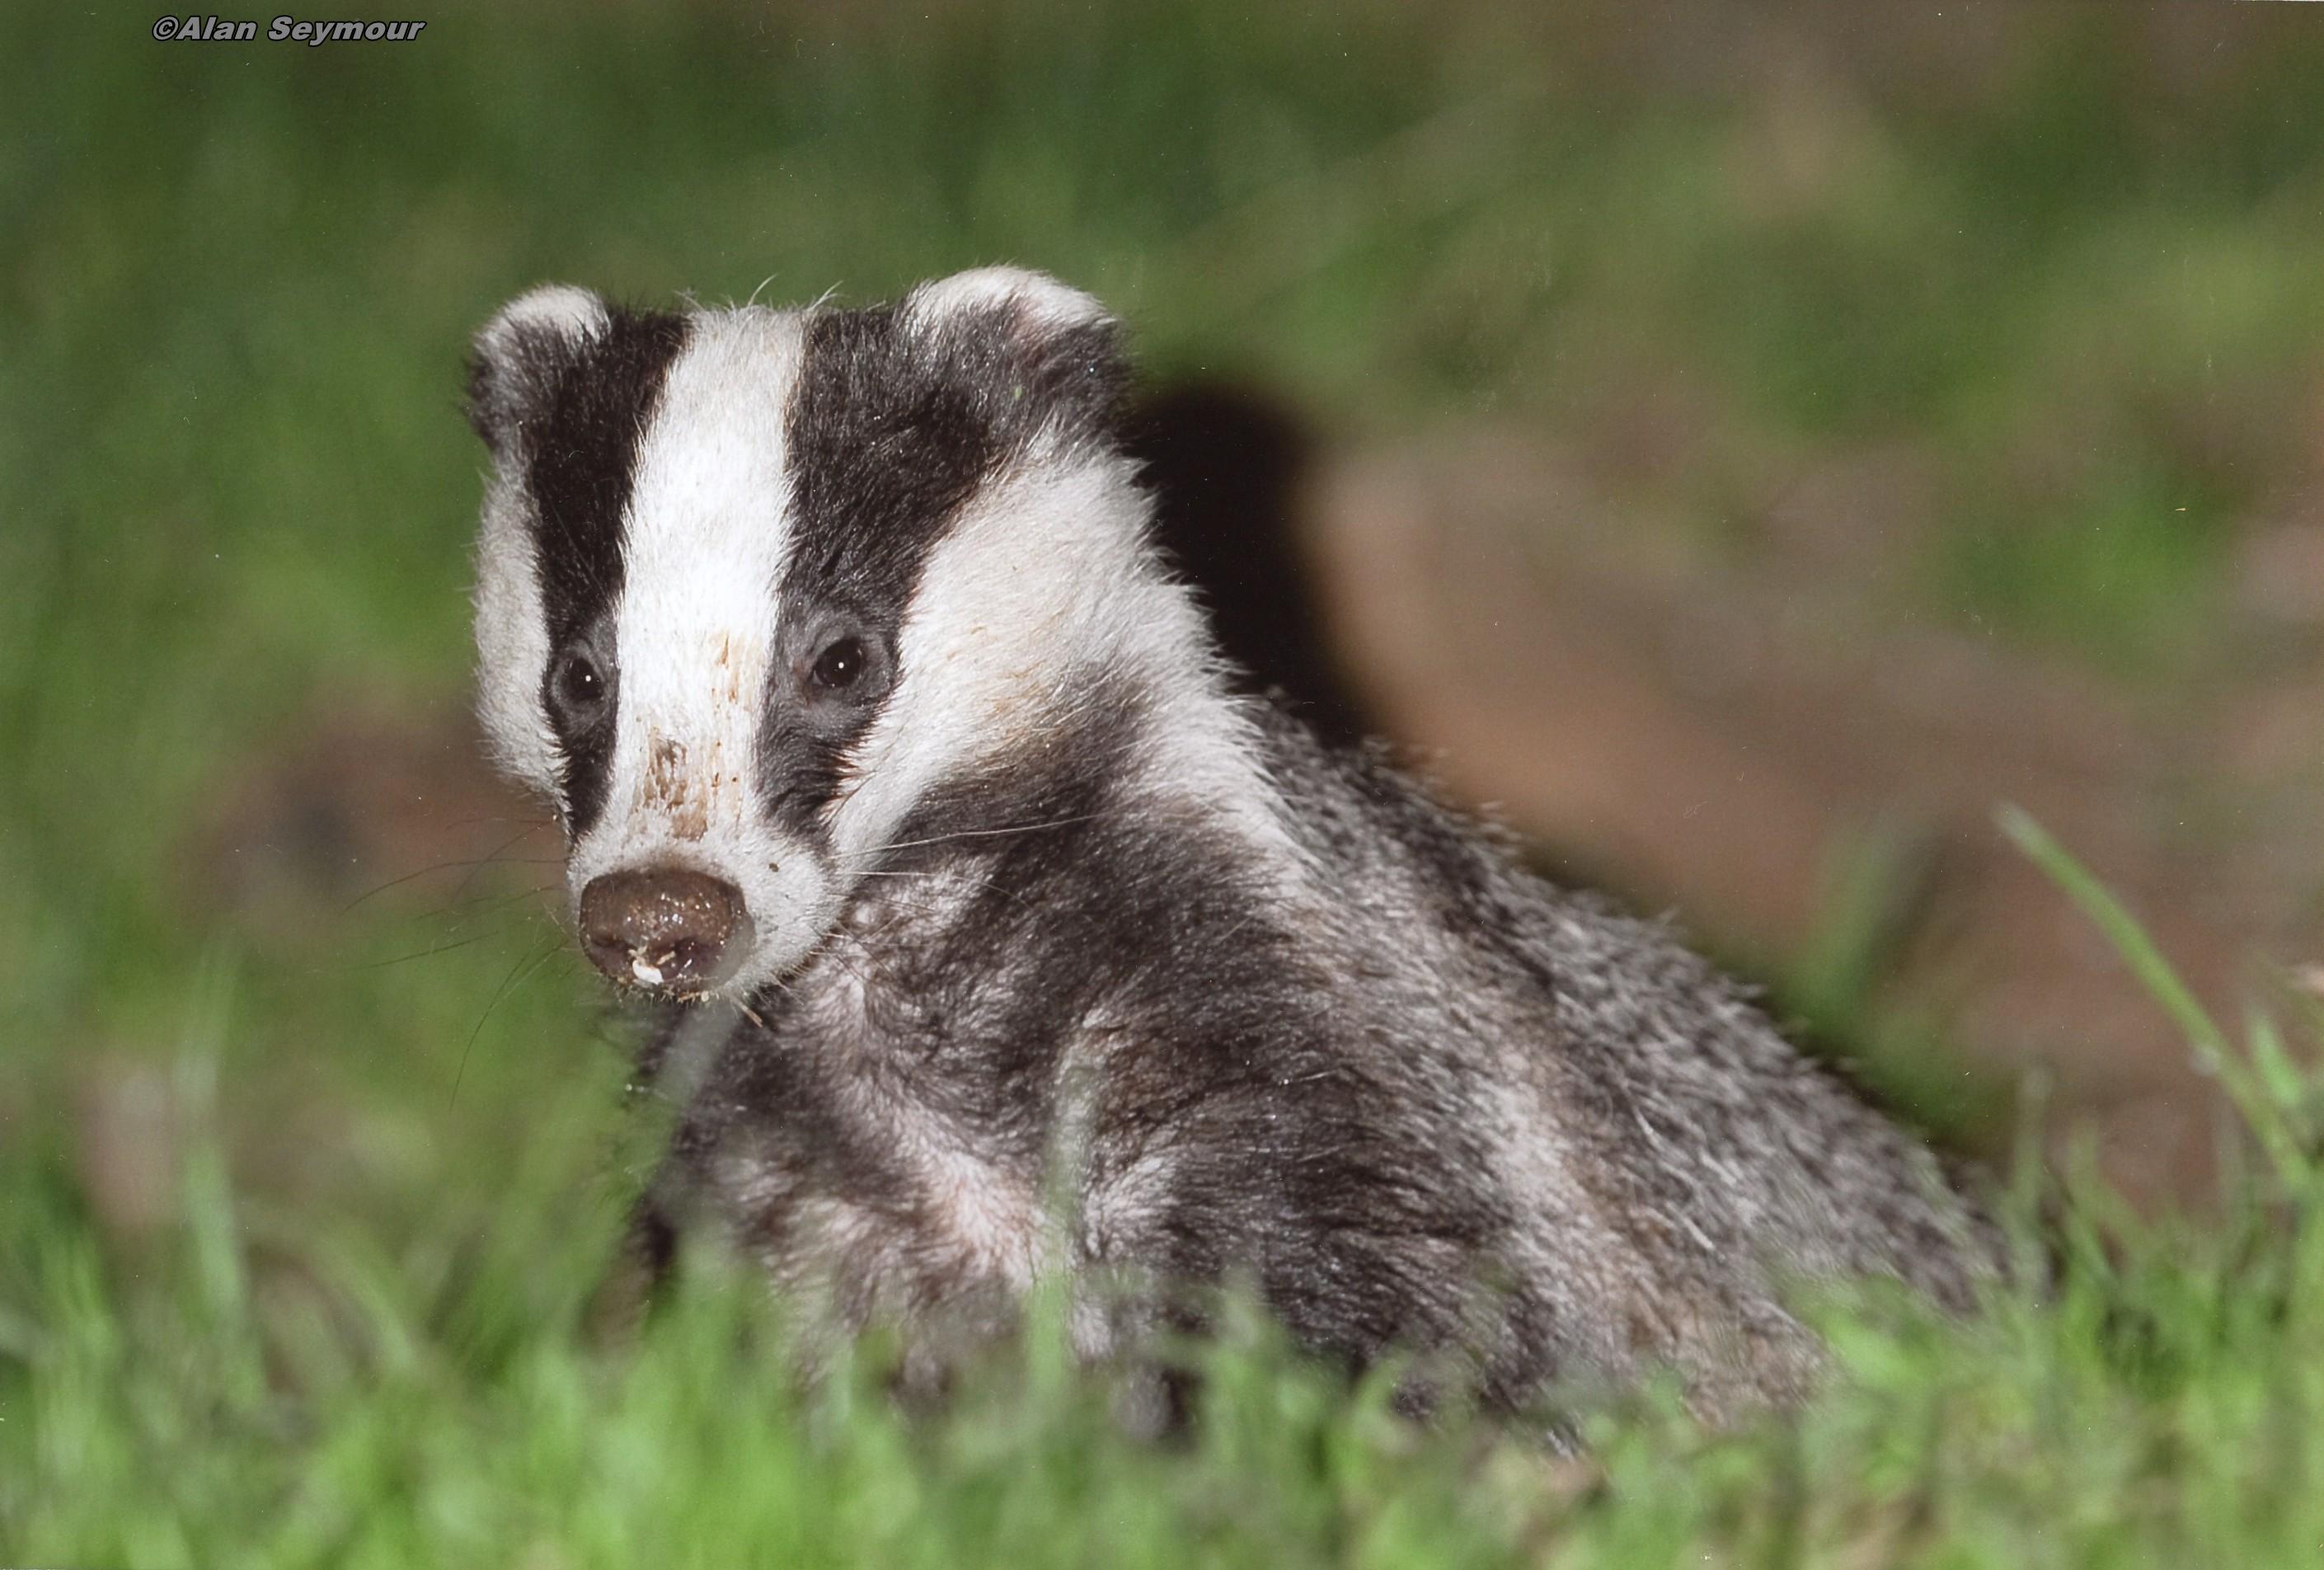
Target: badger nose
663 927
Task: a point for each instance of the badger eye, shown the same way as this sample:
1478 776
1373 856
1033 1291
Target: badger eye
840 665
579 685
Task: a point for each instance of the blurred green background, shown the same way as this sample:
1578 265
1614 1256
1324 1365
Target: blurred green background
2067 254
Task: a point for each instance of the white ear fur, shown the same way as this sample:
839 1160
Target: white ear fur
1052 306
562 309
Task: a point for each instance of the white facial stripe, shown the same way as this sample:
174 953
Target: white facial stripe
1042 582
513 645
702 547
1026 587
704 543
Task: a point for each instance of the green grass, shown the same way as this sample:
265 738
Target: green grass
245 1387
235 498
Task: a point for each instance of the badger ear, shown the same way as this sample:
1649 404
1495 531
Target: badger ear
1034 299
517 358
1062 350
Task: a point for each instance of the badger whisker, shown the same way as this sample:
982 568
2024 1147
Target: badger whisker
474 863
469 910
897 845
538 824
520 972
445 948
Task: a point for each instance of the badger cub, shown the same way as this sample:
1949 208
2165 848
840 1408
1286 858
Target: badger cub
993 937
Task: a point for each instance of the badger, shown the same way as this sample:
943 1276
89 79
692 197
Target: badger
993 939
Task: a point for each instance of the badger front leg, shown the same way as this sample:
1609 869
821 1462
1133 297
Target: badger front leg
634 1276
671 1062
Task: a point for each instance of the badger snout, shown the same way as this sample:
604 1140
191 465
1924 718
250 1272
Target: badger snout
664 927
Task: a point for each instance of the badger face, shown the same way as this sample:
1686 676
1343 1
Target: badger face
753 583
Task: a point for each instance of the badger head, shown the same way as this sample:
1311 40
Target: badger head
754 583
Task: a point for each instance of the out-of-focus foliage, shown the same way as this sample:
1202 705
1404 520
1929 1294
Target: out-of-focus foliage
2070 254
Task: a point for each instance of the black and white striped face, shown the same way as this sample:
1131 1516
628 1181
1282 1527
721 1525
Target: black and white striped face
753 583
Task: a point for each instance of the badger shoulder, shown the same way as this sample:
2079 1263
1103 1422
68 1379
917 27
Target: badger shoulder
1689 1100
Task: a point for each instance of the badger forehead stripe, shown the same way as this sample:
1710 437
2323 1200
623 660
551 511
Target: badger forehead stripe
886 442
696 619
903 414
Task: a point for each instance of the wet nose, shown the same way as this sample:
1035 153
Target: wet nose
663 927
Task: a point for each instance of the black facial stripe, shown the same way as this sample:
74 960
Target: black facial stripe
886 441
799 769
892 427
588 750
584 461
582 466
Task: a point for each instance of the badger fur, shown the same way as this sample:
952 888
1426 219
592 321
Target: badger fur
994 939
